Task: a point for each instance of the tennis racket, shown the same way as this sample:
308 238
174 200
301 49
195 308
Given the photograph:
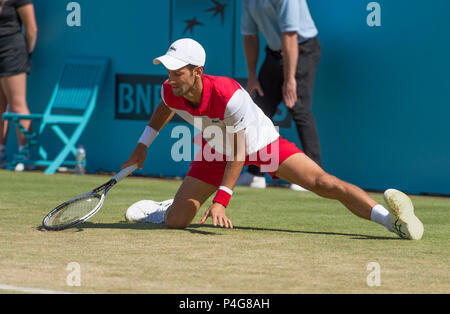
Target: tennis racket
82 207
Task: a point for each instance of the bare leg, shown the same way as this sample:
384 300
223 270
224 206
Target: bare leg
301 170
14 88
190 196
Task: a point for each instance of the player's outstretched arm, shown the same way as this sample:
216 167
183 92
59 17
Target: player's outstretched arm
138 156
160 117
234 168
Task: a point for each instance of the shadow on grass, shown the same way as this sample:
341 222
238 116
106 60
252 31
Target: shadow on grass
127 225
193 228
351 235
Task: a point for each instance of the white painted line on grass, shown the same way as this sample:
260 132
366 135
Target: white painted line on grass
31 290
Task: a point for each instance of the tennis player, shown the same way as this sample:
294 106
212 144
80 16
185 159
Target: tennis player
249 137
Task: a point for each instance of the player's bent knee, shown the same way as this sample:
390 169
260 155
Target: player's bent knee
179 216
173 221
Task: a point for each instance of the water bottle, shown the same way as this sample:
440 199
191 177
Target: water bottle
80 166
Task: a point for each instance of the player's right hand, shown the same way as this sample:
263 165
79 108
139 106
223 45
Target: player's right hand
138 156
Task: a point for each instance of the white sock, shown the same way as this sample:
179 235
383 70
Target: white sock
380 215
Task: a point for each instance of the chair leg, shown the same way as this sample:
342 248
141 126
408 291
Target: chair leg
69 147
51 169
62 136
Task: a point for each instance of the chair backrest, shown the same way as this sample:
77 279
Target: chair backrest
77 88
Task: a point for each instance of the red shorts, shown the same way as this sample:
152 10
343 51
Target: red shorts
268 159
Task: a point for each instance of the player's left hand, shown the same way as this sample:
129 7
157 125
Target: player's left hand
217 212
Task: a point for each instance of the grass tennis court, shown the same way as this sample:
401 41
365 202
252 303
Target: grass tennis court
283 242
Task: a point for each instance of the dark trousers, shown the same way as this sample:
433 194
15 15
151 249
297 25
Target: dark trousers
271 80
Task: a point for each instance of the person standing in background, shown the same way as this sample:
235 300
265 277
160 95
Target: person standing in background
16 48
288 72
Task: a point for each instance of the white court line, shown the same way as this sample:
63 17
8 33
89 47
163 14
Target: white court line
31 290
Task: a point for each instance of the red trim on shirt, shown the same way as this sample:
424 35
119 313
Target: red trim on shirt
217 91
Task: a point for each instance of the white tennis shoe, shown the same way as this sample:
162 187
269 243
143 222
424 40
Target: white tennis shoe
248 179
298 188
402 219
148 211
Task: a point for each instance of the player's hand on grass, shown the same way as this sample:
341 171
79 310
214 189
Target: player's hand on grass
217 212
138 156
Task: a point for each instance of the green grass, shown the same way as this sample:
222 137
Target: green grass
283 242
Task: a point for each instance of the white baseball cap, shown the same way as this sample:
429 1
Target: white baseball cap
181 53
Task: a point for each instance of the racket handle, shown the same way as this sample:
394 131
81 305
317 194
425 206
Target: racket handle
125 172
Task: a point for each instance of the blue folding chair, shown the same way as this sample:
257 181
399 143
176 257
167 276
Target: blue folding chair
72 103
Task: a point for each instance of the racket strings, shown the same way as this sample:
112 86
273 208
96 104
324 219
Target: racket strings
74 211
